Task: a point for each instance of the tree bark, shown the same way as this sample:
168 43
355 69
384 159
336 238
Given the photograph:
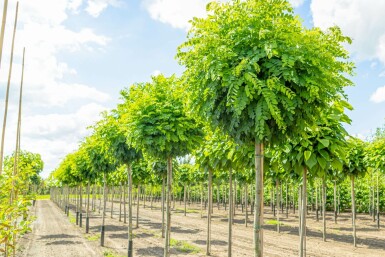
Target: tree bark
246 204
162 207
168 208
324 209
278 201
88 208
184 199
130 235
302 250
104 210
258 207
353 212
231 213
210 202
137 206
378 204
335 202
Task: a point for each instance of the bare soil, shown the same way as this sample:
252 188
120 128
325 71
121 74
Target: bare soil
53 235
191 229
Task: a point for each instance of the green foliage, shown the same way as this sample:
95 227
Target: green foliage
254 71
355 158
157 121
15 198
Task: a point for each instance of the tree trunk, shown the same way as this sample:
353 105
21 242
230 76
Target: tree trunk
88 208
378 204
184 199
278 201
104 210
246 204
130 235
137 206
124 201
286 204
210 202
162 207
168 208
202 200
81 206
302 250
324 209
112 201
335 202
231 213
353 212
120 201
258 207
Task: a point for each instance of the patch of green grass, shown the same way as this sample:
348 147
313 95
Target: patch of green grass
109 253
183 246
273 222
72 218
95 237
42 197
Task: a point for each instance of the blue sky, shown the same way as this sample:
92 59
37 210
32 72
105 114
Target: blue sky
81 53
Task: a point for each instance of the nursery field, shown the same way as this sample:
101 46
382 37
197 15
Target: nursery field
54 235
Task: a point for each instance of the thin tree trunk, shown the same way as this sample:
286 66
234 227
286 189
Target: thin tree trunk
258 207
335 202
202 200
120 201
302 250
163 200
287 199
81 206
130 235
137 206
278 201
324 209
168 208
104 210
231 213
353 212
88 208
378 204
184 199
246 204
210 201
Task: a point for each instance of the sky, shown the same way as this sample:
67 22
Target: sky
81 53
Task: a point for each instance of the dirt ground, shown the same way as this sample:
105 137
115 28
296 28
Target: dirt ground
53 235
62 239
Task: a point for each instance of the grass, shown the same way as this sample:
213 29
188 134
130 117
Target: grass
42 197
183 246
273 222
72 218
95 237
109 253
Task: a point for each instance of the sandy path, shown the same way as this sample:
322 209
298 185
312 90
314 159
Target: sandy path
192 229
54 236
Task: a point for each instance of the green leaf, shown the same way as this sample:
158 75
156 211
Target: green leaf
307 155
324 142
322 162
312 161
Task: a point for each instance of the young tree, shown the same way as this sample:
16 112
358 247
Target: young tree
353 167
254 71
159 125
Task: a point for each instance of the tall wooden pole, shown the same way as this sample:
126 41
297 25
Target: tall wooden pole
7 92
5 9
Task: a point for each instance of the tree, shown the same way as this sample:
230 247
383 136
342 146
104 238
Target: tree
253 70
159 125
353 167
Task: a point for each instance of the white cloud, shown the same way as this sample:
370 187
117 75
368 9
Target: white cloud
363 20
297 3
176 13
382 74
96 7
43 31
379 95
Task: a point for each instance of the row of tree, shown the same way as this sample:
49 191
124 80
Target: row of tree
260 93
